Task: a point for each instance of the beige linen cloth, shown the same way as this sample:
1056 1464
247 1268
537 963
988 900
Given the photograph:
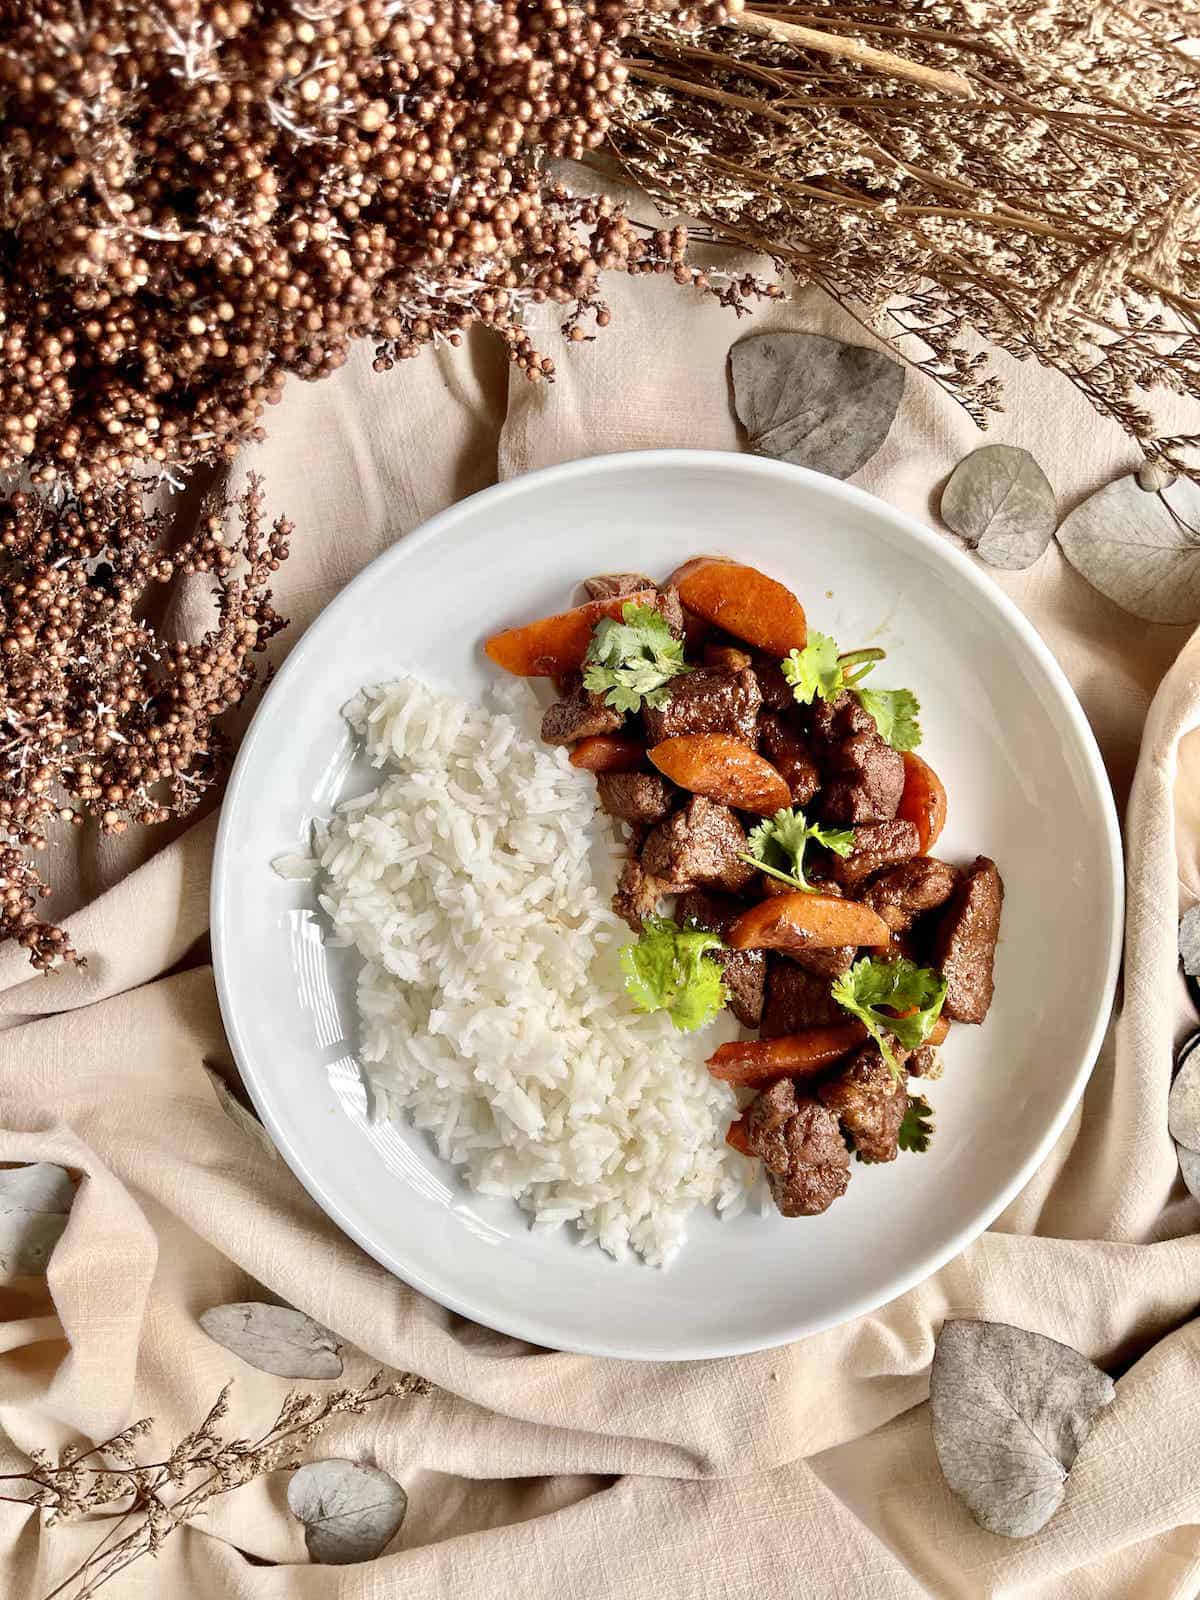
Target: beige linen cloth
803 1471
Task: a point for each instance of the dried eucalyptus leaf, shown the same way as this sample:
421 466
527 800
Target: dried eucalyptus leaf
1011 1410
1189 941
1189 1166
275 1339
1183 1103
999 500
35 1202
1139 548
350 1513
240 1114
814 401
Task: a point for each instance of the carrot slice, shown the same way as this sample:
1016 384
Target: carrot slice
923 802
743 601
738 1138
806 922
795 1055
608 752
937 1034
723 769
553 645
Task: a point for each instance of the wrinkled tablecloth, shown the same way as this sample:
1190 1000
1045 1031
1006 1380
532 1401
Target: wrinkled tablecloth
803 1471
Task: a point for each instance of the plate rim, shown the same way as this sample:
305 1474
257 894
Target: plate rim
533 1329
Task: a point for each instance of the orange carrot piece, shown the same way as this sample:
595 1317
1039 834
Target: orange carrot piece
796 1055
723 769
923 802
743 601
553 645
608 752
807 922
737 1137
937 1034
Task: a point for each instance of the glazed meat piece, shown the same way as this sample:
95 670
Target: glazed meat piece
578 715
925 1062
797 999
671 606
609 585
827 964
634 796
869 1102
797 1139
876 845
864 780
637 894
698 845
831 721
789 755
776 691
745 970
906 892
707 702
965 946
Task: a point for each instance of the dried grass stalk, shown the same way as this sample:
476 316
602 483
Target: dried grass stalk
1055 212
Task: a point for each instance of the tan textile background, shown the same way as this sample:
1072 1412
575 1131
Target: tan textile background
806 1471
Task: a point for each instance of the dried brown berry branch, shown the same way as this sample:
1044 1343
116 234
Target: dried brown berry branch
102 714
145 1502
199 198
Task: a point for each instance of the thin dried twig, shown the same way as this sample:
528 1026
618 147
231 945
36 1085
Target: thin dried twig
777 30
158 1497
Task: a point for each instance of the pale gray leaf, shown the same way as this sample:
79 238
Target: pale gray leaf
999 500
350 1513
814 401
1140 548
1189 941
240 1114
275 1339
1153 476
1183 1103
35 1202
1010 1412
1189 1166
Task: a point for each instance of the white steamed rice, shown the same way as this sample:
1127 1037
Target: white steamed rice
492 1010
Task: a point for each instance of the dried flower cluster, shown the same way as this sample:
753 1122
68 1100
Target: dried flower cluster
1052 206
197 198
101 714
148 1501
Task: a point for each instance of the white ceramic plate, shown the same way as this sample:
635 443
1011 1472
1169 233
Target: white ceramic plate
1026 786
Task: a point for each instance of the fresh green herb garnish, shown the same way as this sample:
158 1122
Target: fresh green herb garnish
895 712
917 1128
632 662
815 670
669 969
900 986
818 670
777 847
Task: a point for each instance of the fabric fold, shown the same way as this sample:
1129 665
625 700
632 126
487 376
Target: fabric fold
804 1471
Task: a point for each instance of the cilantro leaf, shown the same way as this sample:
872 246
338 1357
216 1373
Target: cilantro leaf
632 662
818 670
895 713
899 986
669 969
777 847
815 670
917 1128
